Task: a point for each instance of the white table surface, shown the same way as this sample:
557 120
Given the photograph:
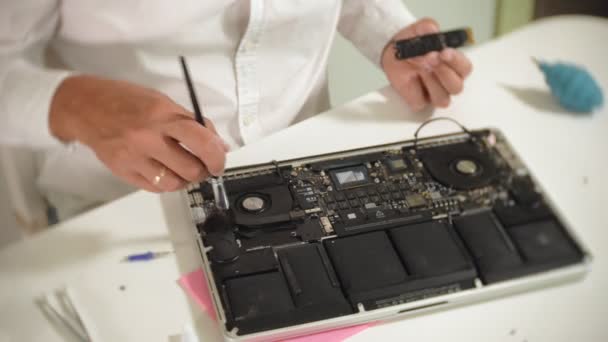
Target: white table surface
566 152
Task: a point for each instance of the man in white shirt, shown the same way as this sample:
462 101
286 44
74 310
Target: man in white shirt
97 87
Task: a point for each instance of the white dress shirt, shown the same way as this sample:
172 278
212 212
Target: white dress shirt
258 66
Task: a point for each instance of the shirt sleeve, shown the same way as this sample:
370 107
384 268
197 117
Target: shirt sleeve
371 24
26 86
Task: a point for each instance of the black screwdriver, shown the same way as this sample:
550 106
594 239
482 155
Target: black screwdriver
217 183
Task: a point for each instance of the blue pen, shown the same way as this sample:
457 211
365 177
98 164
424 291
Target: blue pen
145 256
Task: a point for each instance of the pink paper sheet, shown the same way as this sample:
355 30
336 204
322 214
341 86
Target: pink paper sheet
195 285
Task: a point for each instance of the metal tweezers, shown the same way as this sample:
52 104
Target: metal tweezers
71 319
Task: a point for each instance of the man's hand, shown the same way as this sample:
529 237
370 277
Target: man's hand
138 133
430 79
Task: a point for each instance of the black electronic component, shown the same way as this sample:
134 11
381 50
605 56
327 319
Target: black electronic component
522 189
366 262
275 201
429 249
491 247
397 195
350 177
297 215
380 213
313 279
461 166
252 238
306 197
378 218
421 45
345 162
373 274
511 215
305 289
415 200
259 295
396 164
257 261
544 242
310 230
239 186
352 216
219 234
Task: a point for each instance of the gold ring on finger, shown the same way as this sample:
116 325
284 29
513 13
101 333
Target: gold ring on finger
160 176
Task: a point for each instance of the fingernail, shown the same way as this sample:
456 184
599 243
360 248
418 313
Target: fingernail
417 108
217 173
226 146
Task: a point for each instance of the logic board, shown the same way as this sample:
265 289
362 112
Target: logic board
331 235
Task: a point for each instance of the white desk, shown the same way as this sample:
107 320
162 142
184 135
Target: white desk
566 152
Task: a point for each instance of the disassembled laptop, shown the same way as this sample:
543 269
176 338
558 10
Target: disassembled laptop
334 240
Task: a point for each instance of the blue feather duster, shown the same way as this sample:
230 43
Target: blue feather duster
572 86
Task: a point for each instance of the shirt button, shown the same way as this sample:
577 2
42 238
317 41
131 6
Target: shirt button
247 121
72 146
246 47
